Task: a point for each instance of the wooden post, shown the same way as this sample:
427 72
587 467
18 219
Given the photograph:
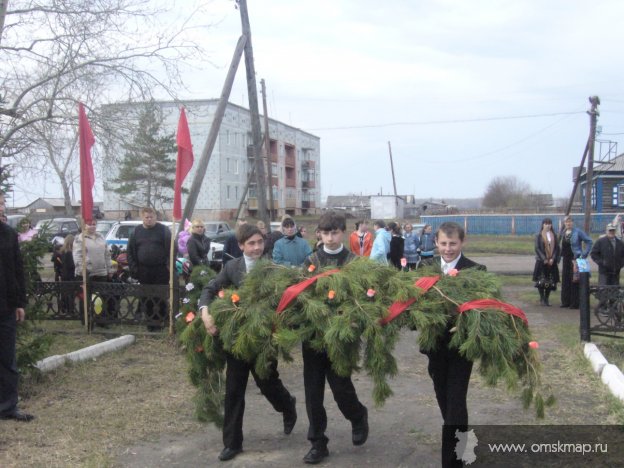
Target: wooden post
267 149
252 91
593 117
204 159
85 289
4 5
172 275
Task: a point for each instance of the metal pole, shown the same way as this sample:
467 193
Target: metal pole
172 275
584 306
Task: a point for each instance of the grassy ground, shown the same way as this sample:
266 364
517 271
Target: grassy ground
499 245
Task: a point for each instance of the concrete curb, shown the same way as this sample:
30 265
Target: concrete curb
90 352
610 375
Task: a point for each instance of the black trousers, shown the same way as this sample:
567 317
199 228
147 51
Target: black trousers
609 279
450 373
236 376
155 309
317 369
8 364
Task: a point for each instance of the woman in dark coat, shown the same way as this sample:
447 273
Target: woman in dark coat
396 245
198 245
574 244
546 271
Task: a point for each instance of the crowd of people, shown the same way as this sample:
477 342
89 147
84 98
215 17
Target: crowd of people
390 244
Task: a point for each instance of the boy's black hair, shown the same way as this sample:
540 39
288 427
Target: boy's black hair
381 223
244 232
331 221
449 228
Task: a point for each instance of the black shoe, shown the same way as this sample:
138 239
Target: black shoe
564 306
17 415
227 453
290 416
359 430
316 454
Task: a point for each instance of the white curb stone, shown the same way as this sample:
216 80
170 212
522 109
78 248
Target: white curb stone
597 360
613 378
589 348
90 352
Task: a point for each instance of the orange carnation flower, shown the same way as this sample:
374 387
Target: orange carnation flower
189 317
331 294
453 272
235 298
533 344
311 268
221 294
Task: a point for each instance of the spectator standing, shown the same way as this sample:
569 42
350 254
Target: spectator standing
448 369
57 261
12 304
67 272
237 372
361 240
317 368
26 231
198 245
575 244
97 260
546 271
427 245
381 244
608 254
290 250
410 246
270 239
231 250
397 244
148 259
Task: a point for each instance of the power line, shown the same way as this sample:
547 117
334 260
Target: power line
451 121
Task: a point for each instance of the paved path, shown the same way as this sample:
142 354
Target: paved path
515 264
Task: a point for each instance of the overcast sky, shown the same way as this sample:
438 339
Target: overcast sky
464 90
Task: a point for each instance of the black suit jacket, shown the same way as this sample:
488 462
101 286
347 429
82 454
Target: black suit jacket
463 263
232 274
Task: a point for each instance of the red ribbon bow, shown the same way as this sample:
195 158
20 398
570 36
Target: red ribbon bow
291 292
425 283
493 304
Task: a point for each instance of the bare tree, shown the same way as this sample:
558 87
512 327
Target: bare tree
507 192
55 53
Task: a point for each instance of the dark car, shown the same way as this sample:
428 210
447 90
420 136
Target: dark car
57 229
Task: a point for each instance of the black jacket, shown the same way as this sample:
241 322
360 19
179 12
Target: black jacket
540 250
198 247
232 274
149 247
608 259
12 282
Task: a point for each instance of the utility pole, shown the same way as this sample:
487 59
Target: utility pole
396 197
593 117
202 166
267 148
252 91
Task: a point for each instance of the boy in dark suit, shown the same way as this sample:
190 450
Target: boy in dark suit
317 367
251 243
449 370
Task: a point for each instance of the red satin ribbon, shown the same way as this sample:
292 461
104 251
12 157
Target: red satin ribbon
291 292
493 304
425 283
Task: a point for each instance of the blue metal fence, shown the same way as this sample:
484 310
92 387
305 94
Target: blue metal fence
519 224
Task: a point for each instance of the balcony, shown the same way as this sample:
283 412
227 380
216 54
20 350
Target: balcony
308 165
290 203
252 203
307 204
290 160
291 183
308 184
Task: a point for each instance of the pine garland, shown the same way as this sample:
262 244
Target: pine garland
340 314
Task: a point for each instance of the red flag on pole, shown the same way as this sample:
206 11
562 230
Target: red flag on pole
87 179
184 163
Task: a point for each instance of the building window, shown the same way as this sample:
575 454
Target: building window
227 165
236 166
227 192
236 192
618 194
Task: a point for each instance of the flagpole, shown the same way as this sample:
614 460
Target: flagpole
85 300
171 274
